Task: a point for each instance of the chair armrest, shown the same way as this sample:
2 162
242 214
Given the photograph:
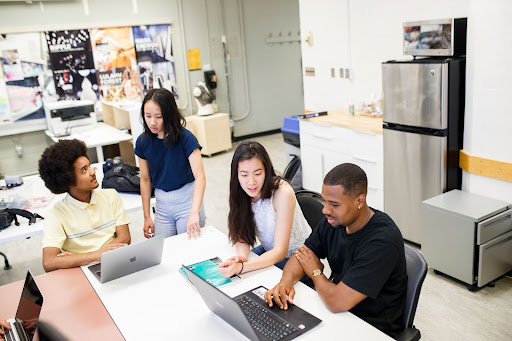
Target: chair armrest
409 334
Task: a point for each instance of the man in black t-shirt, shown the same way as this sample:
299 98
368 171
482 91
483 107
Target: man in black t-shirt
365 251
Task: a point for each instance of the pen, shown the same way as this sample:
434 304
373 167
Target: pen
313 114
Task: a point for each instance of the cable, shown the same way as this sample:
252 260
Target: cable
244 58
184 48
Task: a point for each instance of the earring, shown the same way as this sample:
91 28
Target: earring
358 207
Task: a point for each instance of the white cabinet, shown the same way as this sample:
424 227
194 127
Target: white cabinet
325 146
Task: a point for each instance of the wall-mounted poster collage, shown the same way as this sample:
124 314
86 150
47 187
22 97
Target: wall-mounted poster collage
112 64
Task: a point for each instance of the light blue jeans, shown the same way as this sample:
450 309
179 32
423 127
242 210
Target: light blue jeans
173 209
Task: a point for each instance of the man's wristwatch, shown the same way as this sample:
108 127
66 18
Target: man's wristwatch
317 272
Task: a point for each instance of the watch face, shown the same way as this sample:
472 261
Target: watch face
316 272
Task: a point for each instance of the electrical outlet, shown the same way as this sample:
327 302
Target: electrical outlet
348 73
309 71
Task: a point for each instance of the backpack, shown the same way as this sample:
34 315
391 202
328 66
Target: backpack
7 215
293 173
123 178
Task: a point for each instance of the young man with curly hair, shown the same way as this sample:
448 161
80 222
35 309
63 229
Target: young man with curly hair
88 221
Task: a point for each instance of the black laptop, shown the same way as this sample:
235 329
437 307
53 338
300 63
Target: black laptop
23 326
250 314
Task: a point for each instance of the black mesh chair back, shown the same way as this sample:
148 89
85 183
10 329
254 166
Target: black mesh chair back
47 332
416 272
311 204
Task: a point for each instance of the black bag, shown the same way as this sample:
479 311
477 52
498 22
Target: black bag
293 173
123 178
7 215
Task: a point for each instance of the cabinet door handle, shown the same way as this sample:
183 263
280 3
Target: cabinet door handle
501 242
322 137
364 159
364 132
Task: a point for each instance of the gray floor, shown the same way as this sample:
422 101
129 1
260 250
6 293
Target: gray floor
446 309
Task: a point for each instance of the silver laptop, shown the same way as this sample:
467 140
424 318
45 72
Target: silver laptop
250 314
129 259
23 326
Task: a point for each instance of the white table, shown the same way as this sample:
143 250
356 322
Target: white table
33 186
98 135
161 299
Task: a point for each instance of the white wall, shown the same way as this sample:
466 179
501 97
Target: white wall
359 34
488 125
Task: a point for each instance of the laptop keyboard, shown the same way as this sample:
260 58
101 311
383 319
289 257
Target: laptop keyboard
9 333
262 320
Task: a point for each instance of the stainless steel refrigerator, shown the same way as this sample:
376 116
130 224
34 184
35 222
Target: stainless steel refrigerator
423 134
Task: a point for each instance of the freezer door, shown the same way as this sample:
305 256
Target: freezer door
416 94
414 170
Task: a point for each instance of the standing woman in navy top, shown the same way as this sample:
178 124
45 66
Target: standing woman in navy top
170 159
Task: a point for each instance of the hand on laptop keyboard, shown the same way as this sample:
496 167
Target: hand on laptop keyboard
4 327
281 294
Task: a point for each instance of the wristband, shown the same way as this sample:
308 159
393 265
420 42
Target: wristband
242 269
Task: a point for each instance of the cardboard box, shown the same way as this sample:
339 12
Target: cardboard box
124 115
212 132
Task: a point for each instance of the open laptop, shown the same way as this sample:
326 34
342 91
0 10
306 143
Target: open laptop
129 259
250 314
23 326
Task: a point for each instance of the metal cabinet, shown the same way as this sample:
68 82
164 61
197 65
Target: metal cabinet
467 236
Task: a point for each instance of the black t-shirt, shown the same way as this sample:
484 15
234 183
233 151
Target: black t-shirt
370 261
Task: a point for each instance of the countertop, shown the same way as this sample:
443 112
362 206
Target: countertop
341 118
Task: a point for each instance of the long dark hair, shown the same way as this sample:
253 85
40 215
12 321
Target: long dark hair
241 224
173 120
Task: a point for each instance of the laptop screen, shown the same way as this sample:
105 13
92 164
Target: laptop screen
30 305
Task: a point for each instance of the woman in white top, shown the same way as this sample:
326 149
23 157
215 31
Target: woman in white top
262 205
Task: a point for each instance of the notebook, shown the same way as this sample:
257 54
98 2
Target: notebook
23 326
129 259
250 314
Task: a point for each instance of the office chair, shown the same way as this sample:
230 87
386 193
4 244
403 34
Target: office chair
293 173
416 272
311 204
6 261
47 332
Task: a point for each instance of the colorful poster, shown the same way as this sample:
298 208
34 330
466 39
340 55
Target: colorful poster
25 99
115 61
5 110
154 56
11 65
73 65
23 65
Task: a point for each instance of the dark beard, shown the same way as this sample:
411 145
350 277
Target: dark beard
337 226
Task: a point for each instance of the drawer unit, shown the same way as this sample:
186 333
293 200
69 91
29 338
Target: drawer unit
467 236
328 137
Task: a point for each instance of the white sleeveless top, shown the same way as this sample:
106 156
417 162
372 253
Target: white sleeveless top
265 218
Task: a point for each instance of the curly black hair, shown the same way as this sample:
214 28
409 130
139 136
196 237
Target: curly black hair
56 166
